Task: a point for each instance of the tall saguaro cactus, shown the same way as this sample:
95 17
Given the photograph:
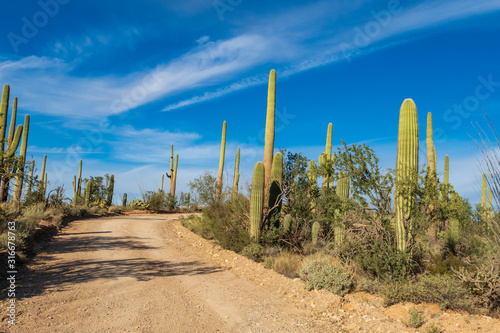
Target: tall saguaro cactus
218 191
161 186
111 187
124 200
18 185
79 184
42 176
173 171
257 201
328 151
236 180
406 171
269 136
275 198
174 176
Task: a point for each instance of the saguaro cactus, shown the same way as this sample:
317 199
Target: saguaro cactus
343 192
236 180
18 185
218 191
42 177
124 200
174 177
275 198
7 155
406 171
328 151
446 177
79 184
162 179
315 232
269 136
111 187
30 179
257 201
88 190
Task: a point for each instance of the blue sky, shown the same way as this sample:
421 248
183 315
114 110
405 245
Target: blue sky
116 84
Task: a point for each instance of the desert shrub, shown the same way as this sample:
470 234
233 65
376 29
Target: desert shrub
34 213
416 319
139 204
253 251
227 223
441 289
116 209
373 249
202 189
483 280
97 210
319 274
156 200
433 328
288 265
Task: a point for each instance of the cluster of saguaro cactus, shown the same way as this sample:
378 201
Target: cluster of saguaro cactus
236 180
8 163
218 191
173 171
257 201
406 171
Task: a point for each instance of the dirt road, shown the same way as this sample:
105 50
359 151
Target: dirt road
146 273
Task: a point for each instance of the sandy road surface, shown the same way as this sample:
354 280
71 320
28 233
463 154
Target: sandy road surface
125 274
147 273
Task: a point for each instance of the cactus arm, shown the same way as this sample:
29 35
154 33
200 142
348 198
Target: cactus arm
4 109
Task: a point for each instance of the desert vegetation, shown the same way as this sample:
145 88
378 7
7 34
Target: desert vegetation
340 223
343 224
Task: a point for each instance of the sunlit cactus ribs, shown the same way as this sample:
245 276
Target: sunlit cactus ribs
257 201
406 172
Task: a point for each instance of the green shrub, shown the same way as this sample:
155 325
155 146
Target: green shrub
227 223
441 289
319 274
433 328
116 209
139 204
156 200
416 318
253 251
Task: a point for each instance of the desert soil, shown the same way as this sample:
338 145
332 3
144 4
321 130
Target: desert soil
147 273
